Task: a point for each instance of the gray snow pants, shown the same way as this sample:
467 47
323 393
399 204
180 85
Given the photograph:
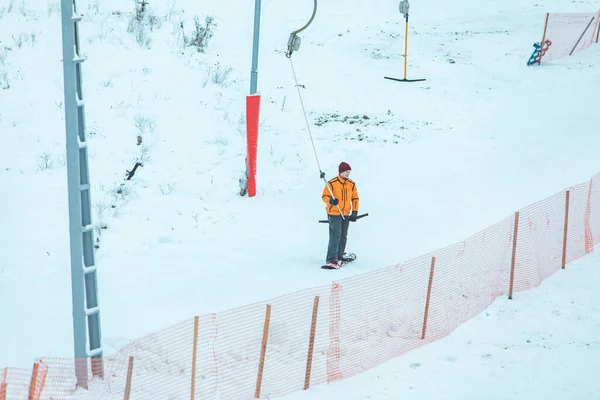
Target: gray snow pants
338 235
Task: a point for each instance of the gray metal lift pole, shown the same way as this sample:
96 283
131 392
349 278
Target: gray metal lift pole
86 313
254 72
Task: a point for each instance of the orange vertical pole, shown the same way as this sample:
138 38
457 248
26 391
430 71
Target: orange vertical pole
589 237
194 353
41 379
128 381
543 38
514 256
564 254
428 297
311 343
33 381
263 352
3 384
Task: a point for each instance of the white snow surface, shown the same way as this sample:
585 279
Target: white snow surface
434 162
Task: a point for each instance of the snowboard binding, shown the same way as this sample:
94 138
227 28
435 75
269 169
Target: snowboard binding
347 258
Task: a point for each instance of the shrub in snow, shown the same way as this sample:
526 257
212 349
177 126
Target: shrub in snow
144 124
217 74
201 34
142 22
53 8
4 82
33 36
121 195
18 75
166 188
94 8
220 74
20 40
23 8
101 207
44 161
144 154
241 125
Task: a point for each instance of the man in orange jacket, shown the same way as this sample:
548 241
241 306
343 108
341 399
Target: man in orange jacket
344 200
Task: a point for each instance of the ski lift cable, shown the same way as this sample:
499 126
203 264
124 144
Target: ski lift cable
305 117
321 173
293 45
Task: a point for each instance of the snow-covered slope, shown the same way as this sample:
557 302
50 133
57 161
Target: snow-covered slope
434 161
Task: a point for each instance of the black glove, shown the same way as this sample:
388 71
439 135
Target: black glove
353 217
333 201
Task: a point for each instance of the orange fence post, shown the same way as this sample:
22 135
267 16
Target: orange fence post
3 384
263 351
311 342
589 237
514 256
543 38
564 255
42 384
194 353
428 297
128 382
33 382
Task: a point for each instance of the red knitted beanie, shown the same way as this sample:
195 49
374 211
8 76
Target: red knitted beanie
344 166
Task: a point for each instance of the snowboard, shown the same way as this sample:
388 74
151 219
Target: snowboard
350 258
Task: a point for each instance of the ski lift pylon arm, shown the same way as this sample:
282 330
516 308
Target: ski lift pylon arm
294 40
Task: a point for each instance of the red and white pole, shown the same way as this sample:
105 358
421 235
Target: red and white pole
252 115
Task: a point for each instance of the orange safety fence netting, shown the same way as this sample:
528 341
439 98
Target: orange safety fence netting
19 383
323 334
569 33
14 383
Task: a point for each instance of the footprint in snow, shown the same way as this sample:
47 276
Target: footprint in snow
450 359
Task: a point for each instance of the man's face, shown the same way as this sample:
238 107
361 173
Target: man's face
345 174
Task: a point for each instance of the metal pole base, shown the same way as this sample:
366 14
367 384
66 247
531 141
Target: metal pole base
404 80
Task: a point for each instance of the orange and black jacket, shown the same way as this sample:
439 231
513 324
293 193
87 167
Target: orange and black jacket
345 191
